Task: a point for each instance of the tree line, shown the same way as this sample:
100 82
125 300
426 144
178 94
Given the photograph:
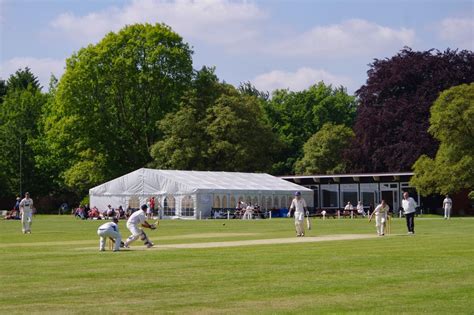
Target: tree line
134 100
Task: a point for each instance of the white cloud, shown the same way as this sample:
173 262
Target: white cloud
458 31
238 26
214 21
353 37
40 67
299 80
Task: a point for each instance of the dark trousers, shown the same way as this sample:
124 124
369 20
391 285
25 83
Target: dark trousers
410 221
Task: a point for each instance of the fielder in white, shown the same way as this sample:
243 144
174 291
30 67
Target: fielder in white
299 205
381 217
248 213
447 205
134 224
360 209
109 230
26 212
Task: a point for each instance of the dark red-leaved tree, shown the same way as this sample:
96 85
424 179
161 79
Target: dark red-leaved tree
391 128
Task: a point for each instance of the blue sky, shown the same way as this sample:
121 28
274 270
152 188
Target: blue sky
273 44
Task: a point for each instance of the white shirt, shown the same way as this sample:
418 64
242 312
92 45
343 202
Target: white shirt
348 207
109 226
360 208
381 210
298 205
447 203
138 217
409 205
26 204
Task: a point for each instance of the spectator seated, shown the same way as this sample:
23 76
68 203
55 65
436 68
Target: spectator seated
79 213
94 213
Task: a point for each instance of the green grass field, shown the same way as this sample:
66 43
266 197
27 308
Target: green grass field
58 269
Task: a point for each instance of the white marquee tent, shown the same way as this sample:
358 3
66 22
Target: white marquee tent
193 194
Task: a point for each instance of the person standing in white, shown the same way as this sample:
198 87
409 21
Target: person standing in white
134 224
447 205
248 213
109 230
26 211
349 207
381 216
299 205
409 208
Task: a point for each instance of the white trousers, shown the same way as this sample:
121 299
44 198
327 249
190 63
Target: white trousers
447 212
247 215
380 220
26 221
136 232
104 234
299 223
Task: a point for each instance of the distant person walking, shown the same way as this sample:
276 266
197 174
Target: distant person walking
16 208
409 208
26 211
447 206
299 205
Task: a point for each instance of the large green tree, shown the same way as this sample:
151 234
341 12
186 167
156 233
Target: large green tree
19 115
103 118
323 151
296 116
451 123
3 90
217 128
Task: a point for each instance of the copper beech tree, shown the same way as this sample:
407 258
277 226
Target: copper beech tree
391 128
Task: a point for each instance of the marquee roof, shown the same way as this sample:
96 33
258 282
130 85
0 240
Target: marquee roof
147 181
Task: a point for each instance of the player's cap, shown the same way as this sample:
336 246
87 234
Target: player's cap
144 207
297 193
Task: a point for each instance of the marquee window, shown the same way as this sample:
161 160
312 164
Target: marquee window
217 202
169 206
187 206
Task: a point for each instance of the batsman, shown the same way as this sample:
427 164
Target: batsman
135 223
299 205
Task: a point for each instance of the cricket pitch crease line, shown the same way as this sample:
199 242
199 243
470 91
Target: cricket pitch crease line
158 238
274 241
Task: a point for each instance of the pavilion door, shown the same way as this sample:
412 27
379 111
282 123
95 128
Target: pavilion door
389 193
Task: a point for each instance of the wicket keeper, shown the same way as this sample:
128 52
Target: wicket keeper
109 230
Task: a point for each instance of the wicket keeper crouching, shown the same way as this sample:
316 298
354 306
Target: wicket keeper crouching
109 230
136 220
